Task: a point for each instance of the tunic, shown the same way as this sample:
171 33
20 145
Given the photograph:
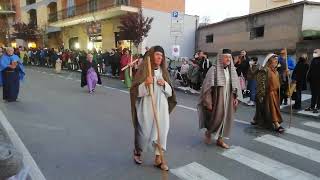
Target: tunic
146 132
220 120
10 78
274 100
268 100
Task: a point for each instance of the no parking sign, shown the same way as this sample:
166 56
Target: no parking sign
175 50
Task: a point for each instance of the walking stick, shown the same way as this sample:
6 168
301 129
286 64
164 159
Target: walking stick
155 112
130 74
289 84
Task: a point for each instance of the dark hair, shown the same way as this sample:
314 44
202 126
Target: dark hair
254 58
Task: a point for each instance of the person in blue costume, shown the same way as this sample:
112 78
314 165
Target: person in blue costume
12 72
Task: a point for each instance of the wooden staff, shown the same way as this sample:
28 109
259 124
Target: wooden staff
128 65
289 88
155 112
130 74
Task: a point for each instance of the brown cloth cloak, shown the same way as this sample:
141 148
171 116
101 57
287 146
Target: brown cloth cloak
268 98
138 79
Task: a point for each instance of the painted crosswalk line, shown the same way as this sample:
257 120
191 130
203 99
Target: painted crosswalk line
312 124
291 147
266 165
196 171
304 134
309 113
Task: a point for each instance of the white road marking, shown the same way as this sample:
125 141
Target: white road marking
195 171
109 87
78 80
291 147
266 165
28 161
308 113
312 124
304 134
60 76
194 109
69 78
124 91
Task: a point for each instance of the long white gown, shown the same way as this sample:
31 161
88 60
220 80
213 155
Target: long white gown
147 131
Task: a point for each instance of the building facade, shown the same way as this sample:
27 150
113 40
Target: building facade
258 5
266 31
9 13
87 24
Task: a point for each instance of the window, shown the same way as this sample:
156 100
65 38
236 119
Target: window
71 9
93 5
209 38
257 32
28 2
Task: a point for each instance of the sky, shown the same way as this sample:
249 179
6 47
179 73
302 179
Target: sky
218 10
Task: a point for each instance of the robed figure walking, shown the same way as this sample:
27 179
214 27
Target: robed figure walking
90 75
12 72
268 113
219 98
145 130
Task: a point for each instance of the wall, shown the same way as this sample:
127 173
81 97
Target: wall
164 5
309 20
75 31
258 5
160 33
282 29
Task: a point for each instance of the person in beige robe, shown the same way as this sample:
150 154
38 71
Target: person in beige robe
218 99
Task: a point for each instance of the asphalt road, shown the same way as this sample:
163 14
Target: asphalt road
76 136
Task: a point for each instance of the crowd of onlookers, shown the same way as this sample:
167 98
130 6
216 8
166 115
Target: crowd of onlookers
191 72
292 74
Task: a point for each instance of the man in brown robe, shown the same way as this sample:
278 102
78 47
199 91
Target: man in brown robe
218 99
145 131
268 95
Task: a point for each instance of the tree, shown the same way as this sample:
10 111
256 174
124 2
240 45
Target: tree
3 30
27 32
135 27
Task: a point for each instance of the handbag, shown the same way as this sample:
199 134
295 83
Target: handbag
242 82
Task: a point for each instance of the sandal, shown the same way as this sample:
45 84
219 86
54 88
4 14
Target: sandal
253 123
162 166
315 111
137 157
280 129
222 144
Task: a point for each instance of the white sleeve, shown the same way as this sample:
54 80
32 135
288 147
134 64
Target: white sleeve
167 89
142 90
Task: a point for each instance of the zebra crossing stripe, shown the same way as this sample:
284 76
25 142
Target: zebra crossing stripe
304 134
196 171
312 124
266 165
291 147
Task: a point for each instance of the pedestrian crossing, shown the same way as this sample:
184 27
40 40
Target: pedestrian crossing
266 164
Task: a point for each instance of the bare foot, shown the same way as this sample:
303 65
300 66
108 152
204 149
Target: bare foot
222 144
207 138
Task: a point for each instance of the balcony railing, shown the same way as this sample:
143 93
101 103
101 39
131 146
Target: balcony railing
85 9
7 8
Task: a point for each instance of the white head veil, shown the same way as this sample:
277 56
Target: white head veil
267 59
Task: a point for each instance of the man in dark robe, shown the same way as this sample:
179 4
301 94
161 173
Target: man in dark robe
145 131
218 99
268 96
12 71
